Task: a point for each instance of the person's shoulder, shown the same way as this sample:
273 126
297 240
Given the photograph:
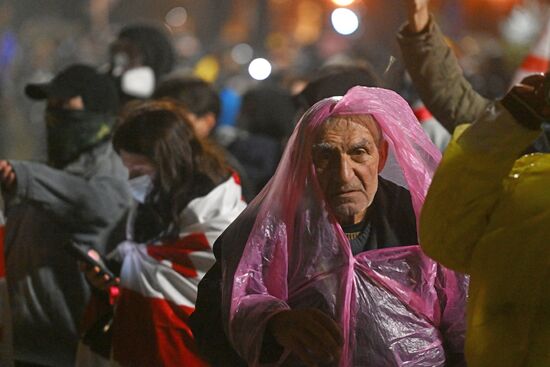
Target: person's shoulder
255 145
392 191
395 216
102 160
237 233
393 199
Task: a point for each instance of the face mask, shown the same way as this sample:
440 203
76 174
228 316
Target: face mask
138 82
70 132
140 187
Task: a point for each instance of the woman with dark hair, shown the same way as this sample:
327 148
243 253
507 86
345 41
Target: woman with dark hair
185 198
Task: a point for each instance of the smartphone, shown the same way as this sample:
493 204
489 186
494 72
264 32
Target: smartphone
89 256
525 110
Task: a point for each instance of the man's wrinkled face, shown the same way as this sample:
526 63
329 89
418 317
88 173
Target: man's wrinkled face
348 154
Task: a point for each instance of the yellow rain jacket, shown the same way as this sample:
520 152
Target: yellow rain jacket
487 214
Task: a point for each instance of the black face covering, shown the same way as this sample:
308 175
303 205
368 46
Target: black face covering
70 132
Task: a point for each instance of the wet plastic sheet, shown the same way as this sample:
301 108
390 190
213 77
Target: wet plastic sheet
396 307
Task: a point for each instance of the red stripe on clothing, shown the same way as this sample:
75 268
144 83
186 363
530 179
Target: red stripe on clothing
236 178
422 114
153 332
178 252
535 64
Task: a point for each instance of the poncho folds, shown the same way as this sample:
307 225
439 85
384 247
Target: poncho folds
395 306
159 284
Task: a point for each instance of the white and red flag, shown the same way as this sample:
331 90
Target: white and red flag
538 59
159 284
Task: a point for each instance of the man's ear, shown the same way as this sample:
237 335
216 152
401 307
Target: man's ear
382 155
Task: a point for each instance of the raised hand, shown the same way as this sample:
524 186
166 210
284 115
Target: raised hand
310 334
418 14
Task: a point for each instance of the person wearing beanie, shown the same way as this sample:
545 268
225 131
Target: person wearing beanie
80 195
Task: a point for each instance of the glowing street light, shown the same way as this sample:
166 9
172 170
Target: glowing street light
344 21
343 2
259 69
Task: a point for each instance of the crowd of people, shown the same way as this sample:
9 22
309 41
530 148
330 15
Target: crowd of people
324 229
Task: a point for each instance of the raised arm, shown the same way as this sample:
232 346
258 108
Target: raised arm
471 178
435 71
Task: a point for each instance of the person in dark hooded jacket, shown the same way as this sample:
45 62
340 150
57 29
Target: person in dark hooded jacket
266 121
140 56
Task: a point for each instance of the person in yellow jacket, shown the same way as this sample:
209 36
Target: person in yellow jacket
487 213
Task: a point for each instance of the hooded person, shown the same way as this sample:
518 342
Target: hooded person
81 195
140 56
323 266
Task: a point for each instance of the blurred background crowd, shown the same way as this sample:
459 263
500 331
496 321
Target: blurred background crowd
236 44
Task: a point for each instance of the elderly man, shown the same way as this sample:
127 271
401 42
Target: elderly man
311 271
80 195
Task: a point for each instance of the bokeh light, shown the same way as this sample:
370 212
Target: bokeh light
344 21
259 69
176 17
343 2
242 53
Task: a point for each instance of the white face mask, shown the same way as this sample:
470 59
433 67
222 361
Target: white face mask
140 187
138 82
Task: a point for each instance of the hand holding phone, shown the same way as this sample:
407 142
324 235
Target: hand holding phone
529 101
97 273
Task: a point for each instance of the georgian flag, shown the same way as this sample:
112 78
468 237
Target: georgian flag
159 284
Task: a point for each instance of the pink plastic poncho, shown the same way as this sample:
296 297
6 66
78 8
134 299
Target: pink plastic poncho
395 306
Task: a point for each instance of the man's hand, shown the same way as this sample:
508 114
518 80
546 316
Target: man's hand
7 175
310 334
418 14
